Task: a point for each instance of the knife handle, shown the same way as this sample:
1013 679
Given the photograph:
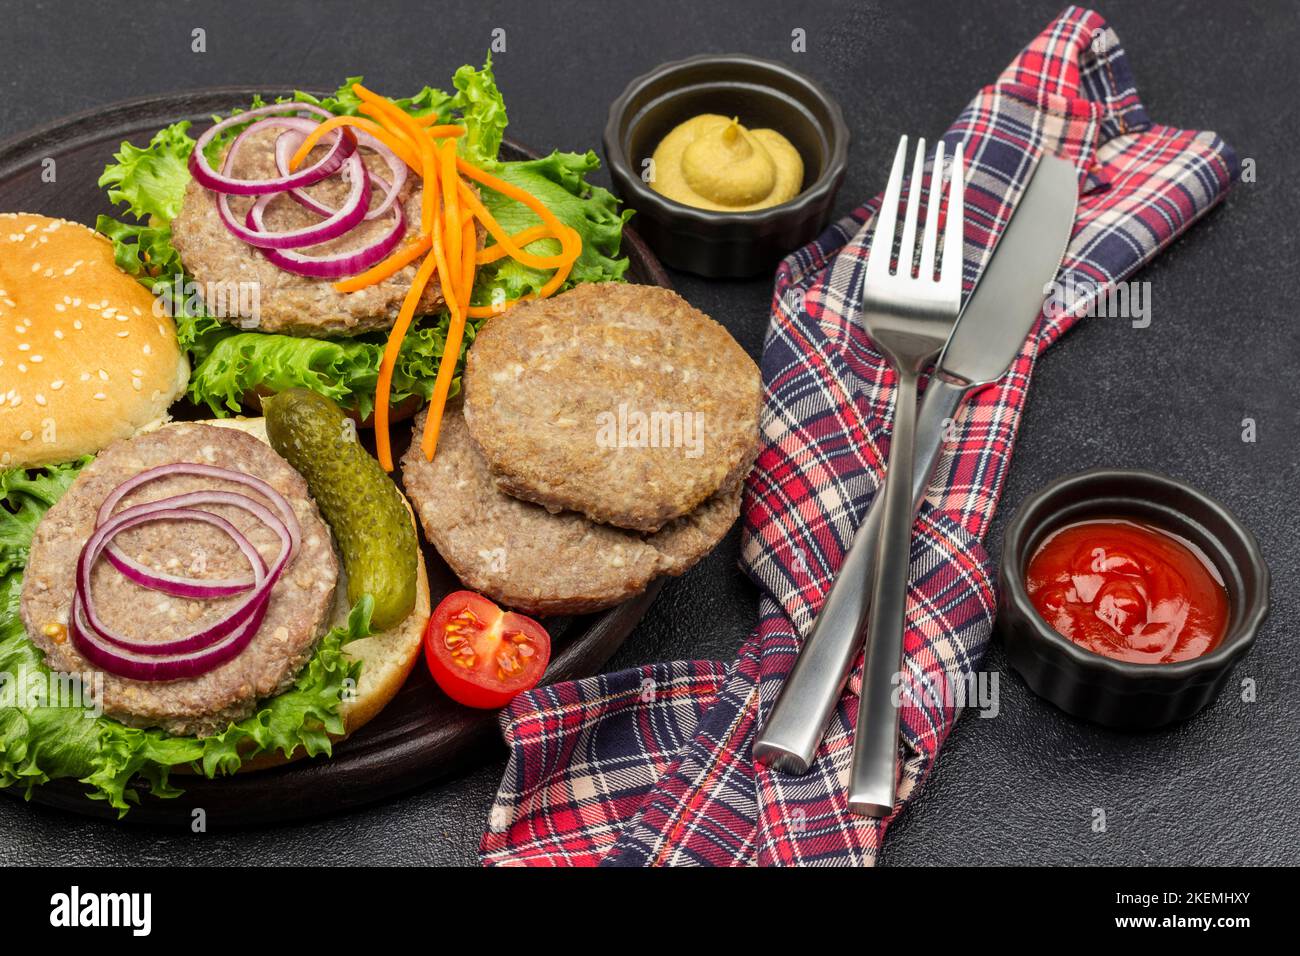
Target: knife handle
793 731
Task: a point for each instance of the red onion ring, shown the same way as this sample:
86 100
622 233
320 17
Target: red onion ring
192 588
334 265
199 470
177 508
176 667
343 220
203 173
215 644
287 143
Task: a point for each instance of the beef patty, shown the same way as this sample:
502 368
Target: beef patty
301 600
285 302
618 401
527 558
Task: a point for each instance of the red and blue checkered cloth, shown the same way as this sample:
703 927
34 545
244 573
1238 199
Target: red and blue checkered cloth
652 766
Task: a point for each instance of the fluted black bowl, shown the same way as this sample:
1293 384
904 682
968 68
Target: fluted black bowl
1122 694
763 94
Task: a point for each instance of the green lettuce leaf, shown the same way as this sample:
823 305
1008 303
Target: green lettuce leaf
229 362
43 739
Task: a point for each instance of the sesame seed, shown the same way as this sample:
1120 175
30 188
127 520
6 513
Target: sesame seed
40 399
22 367
60 307
103 376
100 396
85 376
58 333
26 436
147 350
123 334
76 324
56 384
38 358
36 267
135 384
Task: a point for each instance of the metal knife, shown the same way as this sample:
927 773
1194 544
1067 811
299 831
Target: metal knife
989 333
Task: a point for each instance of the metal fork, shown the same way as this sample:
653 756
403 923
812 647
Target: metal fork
909 318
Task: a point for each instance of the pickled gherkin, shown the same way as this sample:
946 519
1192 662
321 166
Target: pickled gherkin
362 505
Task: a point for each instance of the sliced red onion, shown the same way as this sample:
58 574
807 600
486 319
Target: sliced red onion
287 144
337 264
177 508
340 223
344 145
175 667
215 644
200 589
199 470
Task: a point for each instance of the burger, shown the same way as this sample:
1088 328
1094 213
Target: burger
172 595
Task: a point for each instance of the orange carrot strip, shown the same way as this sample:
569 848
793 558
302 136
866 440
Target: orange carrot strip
571 242
443 131
494 229
450 351
429 198
451 205
401 148
520 239
378 273
469 256
384 386
512 192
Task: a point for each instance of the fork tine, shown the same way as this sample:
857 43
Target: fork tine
953 235
882 243
907 249
931 237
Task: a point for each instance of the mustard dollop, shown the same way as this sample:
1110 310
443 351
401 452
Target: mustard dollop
712 162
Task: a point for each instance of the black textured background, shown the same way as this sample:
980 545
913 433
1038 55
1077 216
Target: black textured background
1223 345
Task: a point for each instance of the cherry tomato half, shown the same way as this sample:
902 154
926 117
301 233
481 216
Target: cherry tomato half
482 656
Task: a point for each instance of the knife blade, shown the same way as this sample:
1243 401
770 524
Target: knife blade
989 333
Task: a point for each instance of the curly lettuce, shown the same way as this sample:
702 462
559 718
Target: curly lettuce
229 362
43 738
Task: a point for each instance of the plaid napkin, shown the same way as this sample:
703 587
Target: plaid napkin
652 766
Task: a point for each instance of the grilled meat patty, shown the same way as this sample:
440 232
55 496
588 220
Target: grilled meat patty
527 558
285 302
301 600
618 401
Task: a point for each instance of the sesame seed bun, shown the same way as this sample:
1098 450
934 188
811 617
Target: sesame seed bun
85 358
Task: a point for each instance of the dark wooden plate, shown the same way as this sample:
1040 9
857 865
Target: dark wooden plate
422 735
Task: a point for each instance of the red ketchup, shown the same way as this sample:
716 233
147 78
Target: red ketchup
1128 591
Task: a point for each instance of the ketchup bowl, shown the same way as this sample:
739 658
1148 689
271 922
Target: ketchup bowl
1125 694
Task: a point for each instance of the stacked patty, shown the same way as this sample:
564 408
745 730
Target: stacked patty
603 441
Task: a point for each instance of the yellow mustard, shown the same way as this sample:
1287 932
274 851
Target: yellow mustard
712 162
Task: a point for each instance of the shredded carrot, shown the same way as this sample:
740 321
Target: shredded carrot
451 205
520 239
469 256
512 192
378 273
397 145
494 229
449 212
383 388
450 349
429 198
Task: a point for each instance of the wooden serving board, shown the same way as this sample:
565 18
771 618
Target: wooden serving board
422 735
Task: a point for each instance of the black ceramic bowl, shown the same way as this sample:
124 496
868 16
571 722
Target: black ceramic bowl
1115 693
762 94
